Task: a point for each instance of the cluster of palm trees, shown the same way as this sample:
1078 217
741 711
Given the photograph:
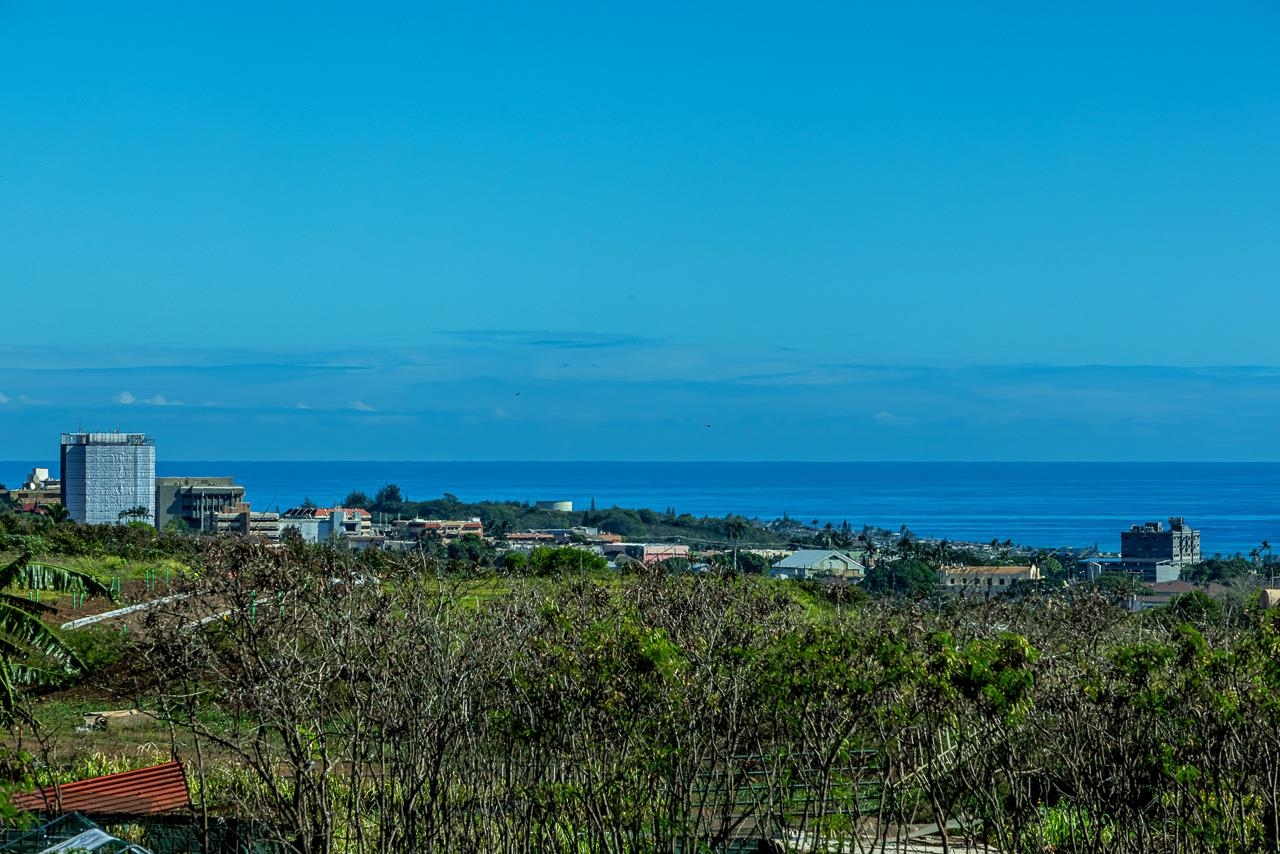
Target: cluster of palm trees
1255 554
135 514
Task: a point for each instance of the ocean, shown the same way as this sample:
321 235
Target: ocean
1235 505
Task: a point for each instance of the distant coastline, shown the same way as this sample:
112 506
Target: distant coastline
1236 505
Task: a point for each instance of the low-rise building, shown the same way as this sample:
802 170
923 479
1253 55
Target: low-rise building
985 580
241 519
192 501
1146 571
321 524
38 490
648 553
1162 594
529 540
444 529
813 563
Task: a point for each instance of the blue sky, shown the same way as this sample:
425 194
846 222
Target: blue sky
917 231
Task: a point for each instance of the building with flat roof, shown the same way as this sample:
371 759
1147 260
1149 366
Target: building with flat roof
320 524
242 519
193 500
1152 541
444 529
37 491
985 581
106 476
1148 571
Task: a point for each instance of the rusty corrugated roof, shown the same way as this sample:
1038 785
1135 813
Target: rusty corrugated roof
146 791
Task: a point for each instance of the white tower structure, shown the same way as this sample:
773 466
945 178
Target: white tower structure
106 476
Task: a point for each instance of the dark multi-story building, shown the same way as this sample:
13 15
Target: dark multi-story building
1178 543
194 500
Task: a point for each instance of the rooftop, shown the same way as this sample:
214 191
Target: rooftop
106 439
146 791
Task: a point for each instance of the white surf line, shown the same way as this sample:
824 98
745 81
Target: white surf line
121 612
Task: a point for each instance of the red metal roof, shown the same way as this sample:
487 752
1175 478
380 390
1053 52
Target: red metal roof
146 791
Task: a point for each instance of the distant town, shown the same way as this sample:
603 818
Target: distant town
191 666
109 478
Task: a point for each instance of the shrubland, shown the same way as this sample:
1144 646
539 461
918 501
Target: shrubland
379 702
376 703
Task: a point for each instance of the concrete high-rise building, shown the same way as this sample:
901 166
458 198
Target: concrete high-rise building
194 500
1179 543
107 475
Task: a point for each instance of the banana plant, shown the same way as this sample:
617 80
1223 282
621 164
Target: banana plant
32 654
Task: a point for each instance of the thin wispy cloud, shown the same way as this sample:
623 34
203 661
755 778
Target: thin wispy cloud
551 340
885 417
508 394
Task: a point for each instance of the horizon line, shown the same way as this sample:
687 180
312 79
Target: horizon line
707 461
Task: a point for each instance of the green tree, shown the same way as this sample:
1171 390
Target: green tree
1051 567
356 498
1122 585
471 550
904 576
565 560
32 654
1195 607
1218 570
752 563
388 501
515 562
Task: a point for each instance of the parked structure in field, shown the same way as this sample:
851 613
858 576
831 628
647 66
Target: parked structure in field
108 478
193 500
985 580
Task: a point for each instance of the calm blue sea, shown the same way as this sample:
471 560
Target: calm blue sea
1235 505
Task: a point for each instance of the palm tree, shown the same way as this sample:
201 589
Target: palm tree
31 654
135 514
56 513
735 528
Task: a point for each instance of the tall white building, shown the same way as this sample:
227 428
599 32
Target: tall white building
105 475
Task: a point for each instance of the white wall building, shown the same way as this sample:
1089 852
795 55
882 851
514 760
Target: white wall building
107 474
